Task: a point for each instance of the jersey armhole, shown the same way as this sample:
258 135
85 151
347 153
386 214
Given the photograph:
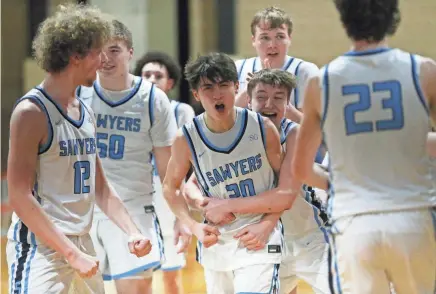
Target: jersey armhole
262 130
151 105
44 147
176 113
325 95
240 70
417 84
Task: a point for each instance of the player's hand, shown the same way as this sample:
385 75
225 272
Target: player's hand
85 265
206 234
139 245
266 64
182 236
255 236
216 211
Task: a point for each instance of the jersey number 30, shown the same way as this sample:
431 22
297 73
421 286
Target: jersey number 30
393 102
244 189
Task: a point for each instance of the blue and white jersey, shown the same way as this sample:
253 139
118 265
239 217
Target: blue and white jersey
65 172
303 218
375 121
230 165
130 124
301 69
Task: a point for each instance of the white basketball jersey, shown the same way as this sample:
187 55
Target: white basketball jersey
65 172
292 65
230 165
303 217
375 121
125 139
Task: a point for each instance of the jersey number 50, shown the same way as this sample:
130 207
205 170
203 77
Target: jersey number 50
114 146
394 102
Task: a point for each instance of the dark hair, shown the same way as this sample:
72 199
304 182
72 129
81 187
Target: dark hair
369 20
274 17
121 31
213 66
274 77
173 69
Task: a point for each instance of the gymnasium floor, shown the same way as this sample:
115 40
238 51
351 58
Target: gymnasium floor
192 276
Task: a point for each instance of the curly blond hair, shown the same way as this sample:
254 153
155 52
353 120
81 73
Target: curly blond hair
72 30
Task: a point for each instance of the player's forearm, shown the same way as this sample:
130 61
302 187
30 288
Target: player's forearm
272 201
31 214
113 207
178 205
193 195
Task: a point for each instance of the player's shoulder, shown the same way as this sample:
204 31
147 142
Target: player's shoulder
307 67
29 111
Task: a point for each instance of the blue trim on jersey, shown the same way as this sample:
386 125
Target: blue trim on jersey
368 52
334 276
78 91
42 148
151 105
316 212
132 272
240 70
133 92
76 123
171 269
159 236
285 130
330 189
262 130
296 93
417 84
232 146
197 169
176 112
325 84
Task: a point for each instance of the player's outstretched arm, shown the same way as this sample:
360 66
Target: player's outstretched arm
28 131
309 136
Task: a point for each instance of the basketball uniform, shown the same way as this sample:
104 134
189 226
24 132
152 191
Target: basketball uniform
183 113
301 69
306 239
383 197
230 165
65 189
130 124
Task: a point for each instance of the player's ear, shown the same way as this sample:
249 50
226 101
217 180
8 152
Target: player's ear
252 41
195 94
131 53
170 84
237 87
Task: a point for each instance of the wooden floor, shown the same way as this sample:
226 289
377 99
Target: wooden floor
192 276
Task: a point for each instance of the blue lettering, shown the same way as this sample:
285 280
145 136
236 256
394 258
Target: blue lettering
77 147
211 179
243 165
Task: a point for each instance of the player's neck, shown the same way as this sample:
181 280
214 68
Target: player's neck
222 125
365 45
60 87
116 83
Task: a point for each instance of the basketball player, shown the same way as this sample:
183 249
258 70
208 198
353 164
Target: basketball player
134 121
305 236
373 105
271 30
54 174
235 153
162 70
